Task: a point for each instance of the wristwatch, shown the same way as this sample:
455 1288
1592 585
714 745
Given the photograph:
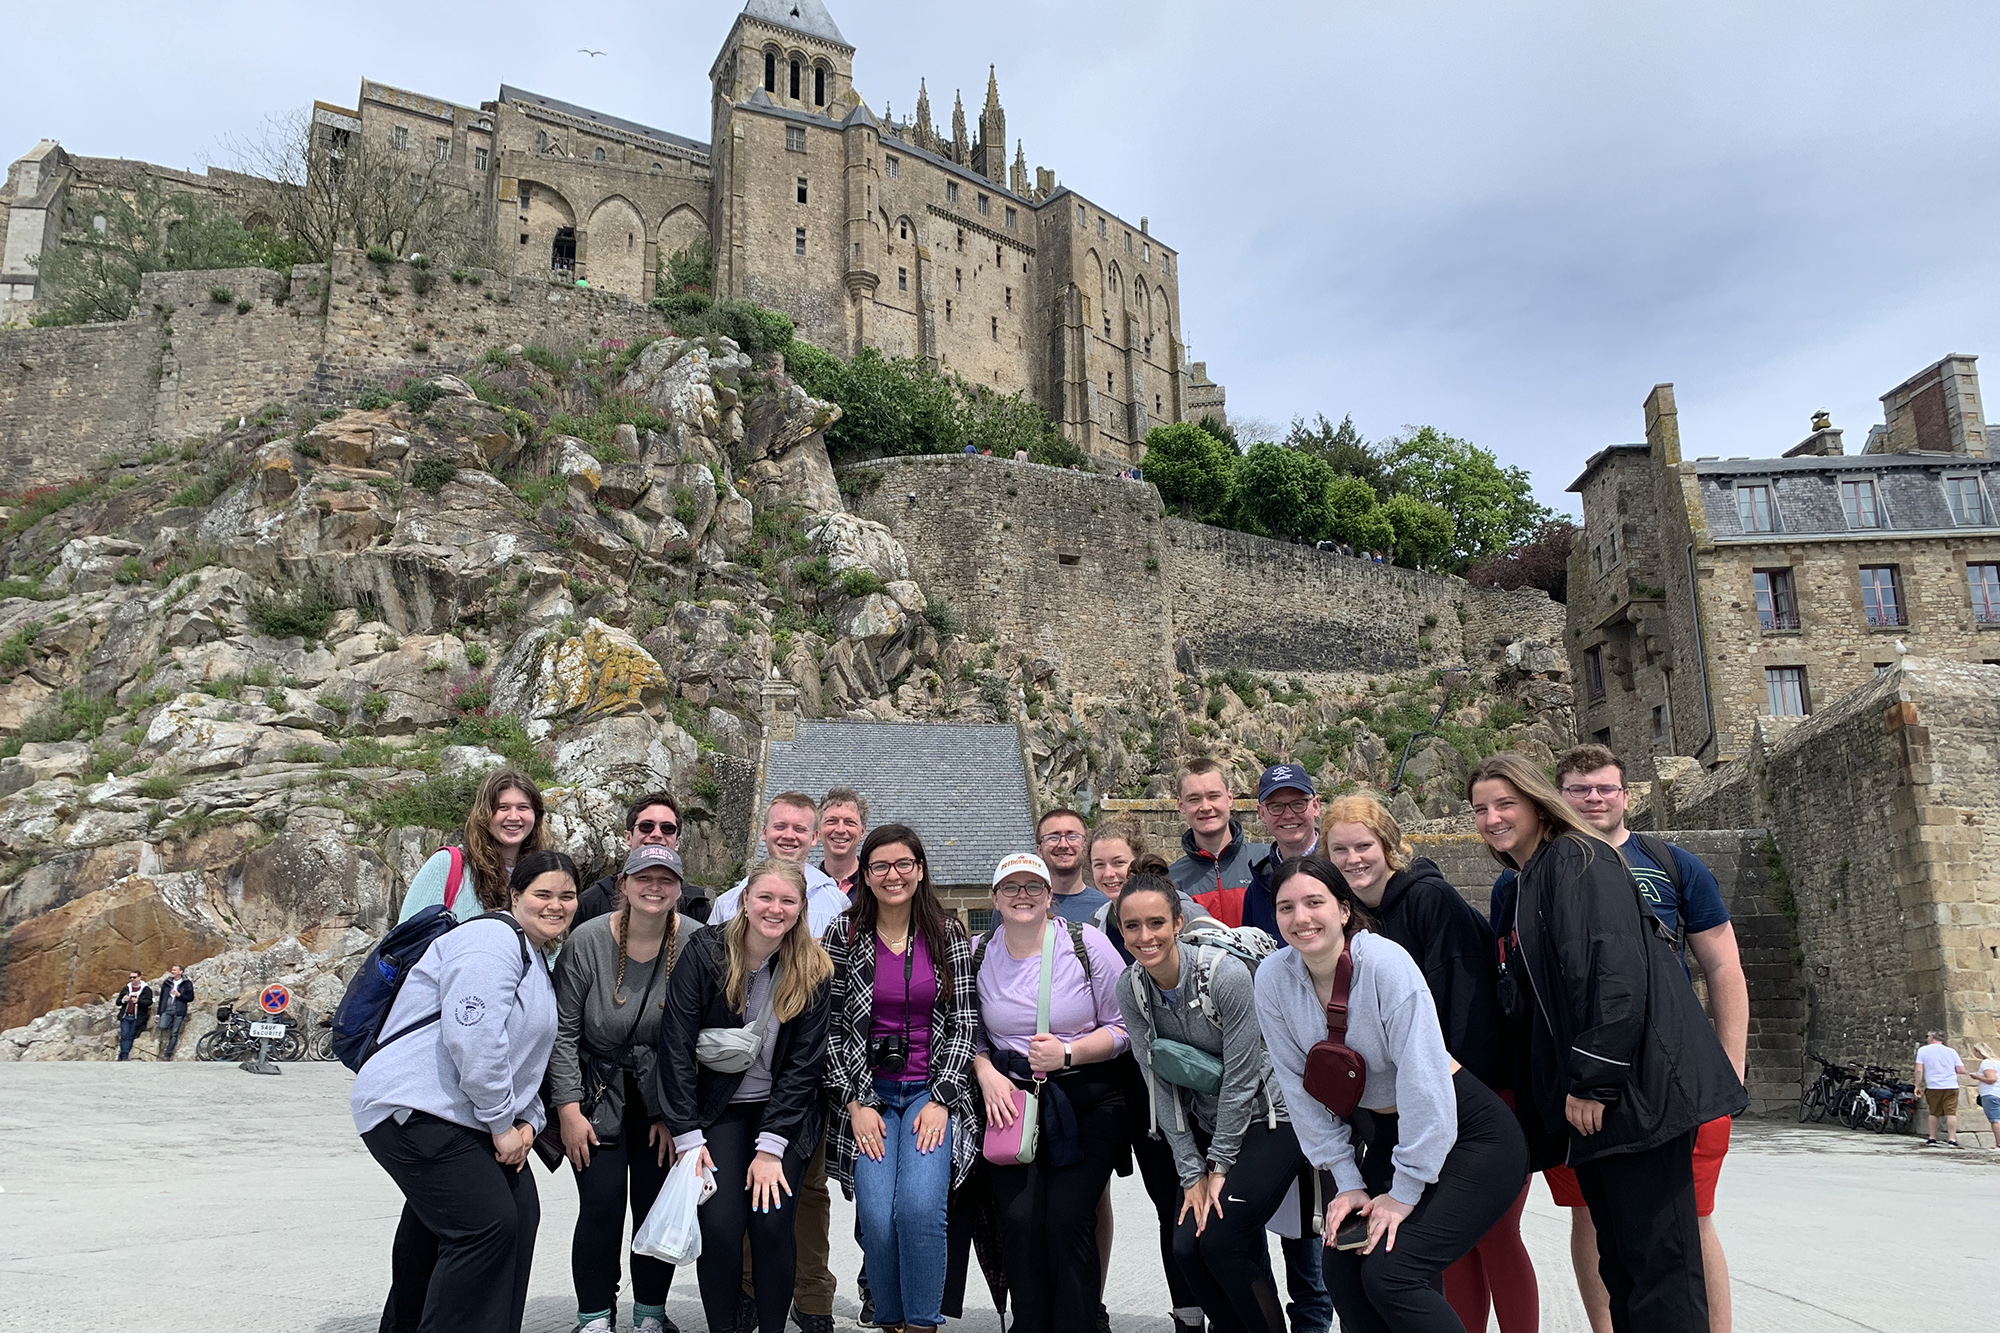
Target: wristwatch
1068 1056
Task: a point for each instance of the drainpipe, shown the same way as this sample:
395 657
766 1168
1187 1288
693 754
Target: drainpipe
1701 653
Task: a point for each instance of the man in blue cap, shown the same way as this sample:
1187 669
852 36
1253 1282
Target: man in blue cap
1288 803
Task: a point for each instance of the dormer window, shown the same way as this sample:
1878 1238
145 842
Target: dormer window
1968 505
1754 510
1860 503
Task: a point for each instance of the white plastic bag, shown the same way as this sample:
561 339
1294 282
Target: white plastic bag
672 1229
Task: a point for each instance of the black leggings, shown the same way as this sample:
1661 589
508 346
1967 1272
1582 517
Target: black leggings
1163 1186
1048 1214
601 1193
1229 1263
1397 1289
727 1217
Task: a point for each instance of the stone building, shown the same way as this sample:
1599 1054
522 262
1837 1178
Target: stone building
868 231
1712 596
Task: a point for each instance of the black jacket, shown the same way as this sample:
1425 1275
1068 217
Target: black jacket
1422 912
602 897
175 997
145 1010
1611 1015
694 1095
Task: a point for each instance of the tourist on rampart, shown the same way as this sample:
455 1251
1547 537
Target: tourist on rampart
906 1123
506 823
1422 1152
1623 1067
1215 862
176 998
1060 836
1683 894
1050 1026
1192 1016
791 826
1938 1068
1986 1086
653 820
1416 906
611 990
450 1103
134 1009
741 1056
843 823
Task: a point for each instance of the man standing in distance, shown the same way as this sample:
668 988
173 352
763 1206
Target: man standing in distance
176 995
1214 868
1683 894
134 1008
1059 837
654 820
1938 1068
843 823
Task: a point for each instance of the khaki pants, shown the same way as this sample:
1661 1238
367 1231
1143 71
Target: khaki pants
813 1287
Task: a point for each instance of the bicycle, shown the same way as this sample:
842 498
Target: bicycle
231 1039
1827 1091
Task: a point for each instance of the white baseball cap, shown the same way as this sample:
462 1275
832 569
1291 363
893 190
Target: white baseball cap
1016 862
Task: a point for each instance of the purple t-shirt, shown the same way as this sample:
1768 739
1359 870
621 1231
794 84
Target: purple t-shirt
893 1002
1077 1007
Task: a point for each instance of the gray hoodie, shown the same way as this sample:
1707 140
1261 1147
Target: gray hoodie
1392 1025
481 1063
1232 1034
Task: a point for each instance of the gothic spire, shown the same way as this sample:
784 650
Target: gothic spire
961 151
1018 180
926 137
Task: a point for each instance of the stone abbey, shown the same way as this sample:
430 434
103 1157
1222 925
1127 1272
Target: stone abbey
868 231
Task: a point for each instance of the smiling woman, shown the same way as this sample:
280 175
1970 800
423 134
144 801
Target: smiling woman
505 824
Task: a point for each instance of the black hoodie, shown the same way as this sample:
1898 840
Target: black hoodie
1422 912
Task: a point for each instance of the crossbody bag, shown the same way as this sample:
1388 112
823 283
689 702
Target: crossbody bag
1015 1144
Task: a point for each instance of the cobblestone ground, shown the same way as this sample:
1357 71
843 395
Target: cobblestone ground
191 1198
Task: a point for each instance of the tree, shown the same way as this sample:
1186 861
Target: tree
1354 516
1342 449
1423 532
1492 507
1196 472
94 275
1282 492
326 187
1540 562
688 269
1220 429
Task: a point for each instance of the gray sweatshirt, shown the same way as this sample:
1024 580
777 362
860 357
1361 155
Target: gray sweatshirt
587 1012
481 1064
1392 1025
1231 1033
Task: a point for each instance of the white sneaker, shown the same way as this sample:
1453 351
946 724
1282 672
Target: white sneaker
598 1325
649 1325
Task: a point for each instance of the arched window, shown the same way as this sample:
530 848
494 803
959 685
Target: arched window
541 141
819 85
795 79
597 156
770 71
903 229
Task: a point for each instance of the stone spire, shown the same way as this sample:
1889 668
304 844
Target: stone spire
992 134
923 135
1018 180
961 151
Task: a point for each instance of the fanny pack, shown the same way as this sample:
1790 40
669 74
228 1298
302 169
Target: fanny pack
1177 1062
1334 1075
733 1050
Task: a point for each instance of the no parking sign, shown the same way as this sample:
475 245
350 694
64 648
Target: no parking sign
275 999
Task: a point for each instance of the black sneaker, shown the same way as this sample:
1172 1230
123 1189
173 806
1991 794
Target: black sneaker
811 1323
867 1317
1187 1326
1103 1319
746 1314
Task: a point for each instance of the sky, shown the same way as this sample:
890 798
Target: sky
1507 221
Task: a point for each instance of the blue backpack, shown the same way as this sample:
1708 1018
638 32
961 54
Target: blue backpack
372 990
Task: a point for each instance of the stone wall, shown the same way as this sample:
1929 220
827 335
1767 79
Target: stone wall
1885 815
70 395
219 361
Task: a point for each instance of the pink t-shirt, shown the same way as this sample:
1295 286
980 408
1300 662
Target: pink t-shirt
1078 1006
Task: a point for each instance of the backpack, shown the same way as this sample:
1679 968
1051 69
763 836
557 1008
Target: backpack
371 992
1210 940
1661 852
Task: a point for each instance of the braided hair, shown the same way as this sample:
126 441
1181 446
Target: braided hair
668 944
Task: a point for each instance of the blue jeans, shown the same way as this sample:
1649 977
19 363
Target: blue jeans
128 1030
1311 1308
901 1203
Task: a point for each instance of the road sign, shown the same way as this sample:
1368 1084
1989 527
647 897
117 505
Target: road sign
275 1031
275 999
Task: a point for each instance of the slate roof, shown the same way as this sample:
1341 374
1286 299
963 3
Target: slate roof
522 97
961 787
1806 491
806 16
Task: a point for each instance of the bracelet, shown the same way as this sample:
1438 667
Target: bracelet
1069 1056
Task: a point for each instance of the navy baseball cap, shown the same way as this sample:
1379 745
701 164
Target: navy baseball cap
1279 776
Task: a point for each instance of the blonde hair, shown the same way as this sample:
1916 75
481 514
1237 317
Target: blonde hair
482 853
1983 1051
1374 816
1527 778
803 966
1118 830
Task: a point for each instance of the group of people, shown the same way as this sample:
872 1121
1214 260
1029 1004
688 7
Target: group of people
134 1006
1317 1037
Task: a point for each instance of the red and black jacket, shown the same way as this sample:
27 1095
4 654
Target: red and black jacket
1219 883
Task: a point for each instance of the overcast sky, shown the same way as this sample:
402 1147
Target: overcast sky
1505 220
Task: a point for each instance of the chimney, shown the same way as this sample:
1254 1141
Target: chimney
1824 442
1935 411
780 700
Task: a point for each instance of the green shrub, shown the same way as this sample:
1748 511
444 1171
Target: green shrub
420 346
304 613
18 648
420 394
75 716
374 704
472 696
555 364
1504 714
304 753
941 615
28 588
860 582
475 655
244 307
367 752
438 803
373 400
221 295
41 501
432 471
381 254
421 282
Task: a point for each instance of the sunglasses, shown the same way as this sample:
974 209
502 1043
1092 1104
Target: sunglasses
648 826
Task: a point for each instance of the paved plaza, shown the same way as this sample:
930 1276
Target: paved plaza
168 1198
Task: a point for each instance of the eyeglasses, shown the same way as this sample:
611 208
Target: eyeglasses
1020 890
666 829
1582 790
902 867
1289 807
1058 839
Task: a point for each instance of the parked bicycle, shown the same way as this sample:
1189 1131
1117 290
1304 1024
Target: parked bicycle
322 1041
231 1040
1828 1092
1882 1103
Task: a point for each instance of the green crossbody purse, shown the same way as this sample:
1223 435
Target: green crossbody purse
1180 1064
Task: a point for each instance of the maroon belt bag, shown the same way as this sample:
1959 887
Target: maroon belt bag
1335 1075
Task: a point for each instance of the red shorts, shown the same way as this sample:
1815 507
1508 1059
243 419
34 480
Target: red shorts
1711 1145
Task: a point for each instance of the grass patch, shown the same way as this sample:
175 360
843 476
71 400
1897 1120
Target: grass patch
432 472
161 787
367 752
41 501
75 716
304 613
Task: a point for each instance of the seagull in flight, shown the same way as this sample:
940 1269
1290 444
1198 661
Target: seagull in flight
586 51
